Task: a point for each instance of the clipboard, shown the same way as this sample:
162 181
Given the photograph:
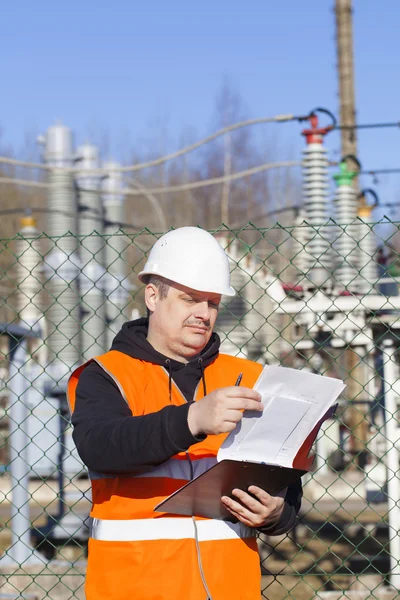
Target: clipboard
202 495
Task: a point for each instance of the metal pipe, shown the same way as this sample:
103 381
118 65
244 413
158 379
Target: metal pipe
42 448
390 376
20 552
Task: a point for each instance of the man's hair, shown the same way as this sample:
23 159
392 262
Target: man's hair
161 284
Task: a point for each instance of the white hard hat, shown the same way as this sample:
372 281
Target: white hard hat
192 257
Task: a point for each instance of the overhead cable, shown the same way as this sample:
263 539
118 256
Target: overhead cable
173 188
380 171
168 157
215 180
162 159
369 125
271 213
38 209
26 182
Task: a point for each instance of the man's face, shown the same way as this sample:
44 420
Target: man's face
182 323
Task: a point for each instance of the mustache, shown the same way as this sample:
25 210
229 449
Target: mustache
203 324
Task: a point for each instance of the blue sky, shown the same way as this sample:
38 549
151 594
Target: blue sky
129 68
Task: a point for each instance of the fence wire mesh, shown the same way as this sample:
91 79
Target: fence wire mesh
319 298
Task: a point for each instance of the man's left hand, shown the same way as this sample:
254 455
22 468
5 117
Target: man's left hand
262 510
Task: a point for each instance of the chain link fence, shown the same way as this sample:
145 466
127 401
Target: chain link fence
323 299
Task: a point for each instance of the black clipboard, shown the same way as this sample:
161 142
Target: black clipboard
201 497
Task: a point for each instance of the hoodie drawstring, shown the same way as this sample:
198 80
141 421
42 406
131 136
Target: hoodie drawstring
168 362
203 377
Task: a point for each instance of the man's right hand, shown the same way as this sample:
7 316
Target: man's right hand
221 410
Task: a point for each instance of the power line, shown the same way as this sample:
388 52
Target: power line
380 171
162 159
296 208
154 201
142 190
216 180
26 182
219 133
37 209
168 157
369 125
174 188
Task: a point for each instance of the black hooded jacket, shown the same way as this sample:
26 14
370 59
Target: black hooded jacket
111 440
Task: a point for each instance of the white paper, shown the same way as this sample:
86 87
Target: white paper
294 401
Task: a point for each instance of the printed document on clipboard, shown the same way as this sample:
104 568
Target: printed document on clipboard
270 449
295 404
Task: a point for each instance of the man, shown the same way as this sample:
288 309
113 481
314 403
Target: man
149 416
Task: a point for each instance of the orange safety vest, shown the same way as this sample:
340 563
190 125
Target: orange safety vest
138 554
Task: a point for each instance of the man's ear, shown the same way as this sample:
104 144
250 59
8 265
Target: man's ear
151 296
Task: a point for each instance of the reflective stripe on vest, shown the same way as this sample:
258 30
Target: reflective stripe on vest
171 468
135 530
145 387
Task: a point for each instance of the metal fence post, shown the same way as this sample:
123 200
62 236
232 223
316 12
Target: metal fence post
392 455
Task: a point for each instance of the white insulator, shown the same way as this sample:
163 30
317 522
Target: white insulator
345 243
346 204
61 263
116 283
63 340
62 216
58 152
315 191
28 274
92 249
299 246
368 270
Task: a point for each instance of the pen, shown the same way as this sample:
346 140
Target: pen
239 379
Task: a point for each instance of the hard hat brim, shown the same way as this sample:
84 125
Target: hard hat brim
144 275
